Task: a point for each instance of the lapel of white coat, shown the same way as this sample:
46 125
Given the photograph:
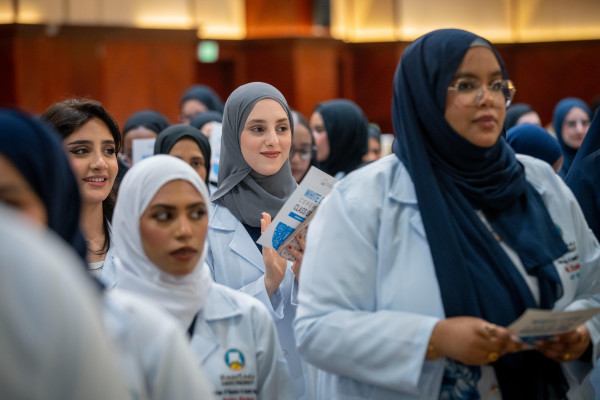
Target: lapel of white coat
216 307
243 245
204 342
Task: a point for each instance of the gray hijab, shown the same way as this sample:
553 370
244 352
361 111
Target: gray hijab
245 192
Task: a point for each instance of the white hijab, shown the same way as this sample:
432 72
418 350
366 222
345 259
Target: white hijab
182 296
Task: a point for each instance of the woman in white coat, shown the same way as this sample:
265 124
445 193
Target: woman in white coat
255 177
36 179
160 221
415 264
54 346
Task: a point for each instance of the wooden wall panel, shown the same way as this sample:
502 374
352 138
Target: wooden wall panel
276 18
134 69
221 76
316 74
128 68
8 90
544 73
172 71
270 61
374 68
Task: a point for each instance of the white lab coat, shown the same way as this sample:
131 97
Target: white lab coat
234 339
369 296
234 261
156 359
52 338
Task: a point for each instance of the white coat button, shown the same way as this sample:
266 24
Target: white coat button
285 353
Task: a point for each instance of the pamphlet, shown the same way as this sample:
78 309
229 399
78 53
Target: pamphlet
142 148
541 323
296 213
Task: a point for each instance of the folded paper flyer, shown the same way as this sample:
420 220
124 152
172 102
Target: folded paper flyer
542 323
296 213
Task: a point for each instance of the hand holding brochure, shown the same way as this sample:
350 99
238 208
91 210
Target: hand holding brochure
296 213
535 323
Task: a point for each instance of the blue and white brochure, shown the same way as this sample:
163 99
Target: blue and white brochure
294 216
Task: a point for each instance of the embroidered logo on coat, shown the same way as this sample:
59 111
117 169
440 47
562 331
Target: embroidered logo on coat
234 359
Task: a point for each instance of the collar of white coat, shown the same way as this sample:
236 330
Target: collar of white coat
218 305
402 188
221 218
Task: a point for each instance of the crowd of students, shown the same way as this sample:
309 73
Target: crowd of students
411 271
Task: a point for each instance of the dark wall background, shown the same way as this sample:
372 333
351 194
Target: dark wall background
133 69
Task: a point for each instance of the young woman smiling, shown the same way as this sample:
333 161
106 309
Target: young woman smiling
255 180
92 140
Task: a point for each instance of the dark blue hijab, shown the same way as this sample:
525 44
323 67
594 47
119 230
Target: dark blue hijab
452 179
35 150
514 112
203 118
174 133
560 112
152 120
584 175
205 95
534 141
347 131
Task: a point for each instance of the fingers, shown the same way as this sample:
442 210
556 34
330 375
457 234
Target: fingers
265 221
554 349
472 341
499 341
301 241
567 346
296 253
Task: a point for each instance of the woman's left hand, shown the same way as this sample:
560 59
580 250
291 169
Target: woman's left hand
298 254
566 346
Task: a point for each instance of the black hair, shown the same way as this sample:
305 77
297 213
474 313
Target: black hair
67 117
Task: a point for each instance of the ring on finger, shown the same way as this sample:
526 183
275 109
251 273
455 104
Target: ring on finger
566 357
490 330
493 356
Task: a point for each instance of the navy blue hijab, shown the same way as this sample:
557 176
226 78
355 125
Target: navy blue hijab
514 112
584 175
203 118
452 179
534 141
347 131
560 112
174 133
205 95
152 120
36 151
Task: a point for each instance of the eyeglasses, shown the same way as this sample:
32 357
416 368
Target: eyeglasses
305 153
471 91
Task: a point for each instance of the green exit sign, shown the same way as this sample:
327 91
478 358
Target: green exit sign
208 51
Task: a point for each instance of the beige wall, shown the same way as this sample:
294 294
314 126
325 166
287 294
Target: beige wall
507 21
502 21
219 19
